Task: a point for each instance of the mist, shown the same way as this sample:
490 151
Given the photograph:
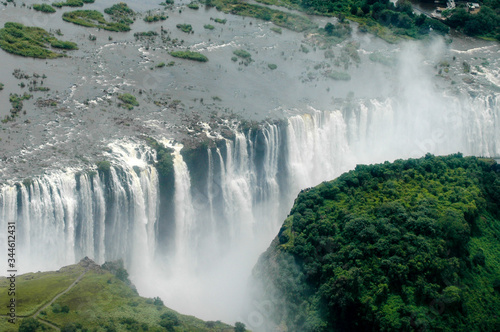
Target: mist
197 255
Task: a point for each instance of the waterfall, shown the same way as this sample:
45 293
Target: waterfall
225 217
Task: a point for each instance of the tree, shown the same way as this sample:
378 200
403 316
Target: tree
239 327
329 28
29 325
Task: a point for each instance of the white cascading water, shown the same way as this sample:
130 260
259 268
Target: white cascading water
221 227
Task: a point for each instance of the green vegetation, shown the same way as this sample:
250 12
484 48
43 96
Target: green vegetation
16 102
100 301
209 27
193 5
402 246
190 55
121 13
31 41
220 20
146 34
187 28
338 76
165 160
72 3
160 65
272 66
93 19
384 18
103 166
155 18
277 30
1 86
242 54
128 101
485 24
287 20
44 8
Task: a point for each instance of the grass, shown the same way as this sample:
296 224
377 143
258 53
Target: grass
99 301
44 8
128 101
242 54
36 289
121 13
32 42
72 3
187 28
220 20
93 19
155 18
190 55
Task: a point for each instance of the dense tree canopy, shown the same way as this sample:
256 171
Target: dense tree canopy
397 246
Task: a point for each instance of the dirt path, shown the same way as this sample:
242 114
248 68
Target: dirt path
43 321
62 293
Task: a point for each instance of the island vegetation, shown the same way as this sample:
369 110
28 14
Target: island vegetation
32 42
190 55
121 13
93 19
72 3
45 8
155 18
401 246
128 101
187 28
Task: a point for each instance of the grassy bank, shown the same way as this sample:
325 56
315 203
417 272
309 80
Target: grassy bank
103 300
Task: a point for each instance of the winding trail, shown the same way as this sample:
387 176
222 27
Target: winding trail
54 299
46 322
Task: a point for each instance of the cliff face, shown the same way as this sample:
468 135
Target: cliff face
409 245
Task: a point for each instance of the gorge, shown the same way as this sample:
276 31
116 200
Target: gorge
192 185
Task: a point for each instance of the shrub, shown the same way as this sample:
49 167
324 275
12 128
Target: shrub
189 55
242 54
155 18
187 28
220 20
44 8
209 27
103 166
128 100
272 66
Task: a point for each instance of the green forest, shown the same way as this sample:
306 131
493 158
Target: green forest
402 246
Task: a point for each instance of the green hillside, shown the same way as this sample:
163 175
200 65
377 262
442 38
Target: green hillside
101 300
404 246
